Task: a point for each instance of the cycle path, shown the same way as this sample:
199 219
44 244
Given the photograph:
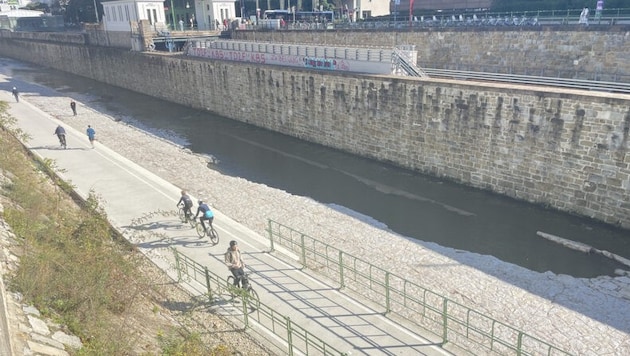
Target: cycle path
132 197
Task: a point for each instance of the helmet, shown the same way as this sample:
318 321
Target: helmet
233 243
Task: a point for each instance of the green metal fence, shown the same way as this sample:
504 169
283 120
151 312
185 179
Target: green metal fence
448 319
297 339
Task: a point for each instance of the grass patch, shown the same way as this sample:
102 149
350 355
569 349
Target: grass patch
73 266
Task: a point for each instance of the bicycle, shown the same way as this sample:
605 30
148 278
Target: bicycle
212 234
247 292
62 140
186 219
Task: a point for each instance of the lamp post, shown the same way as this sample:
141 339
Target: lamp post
173 15
96 12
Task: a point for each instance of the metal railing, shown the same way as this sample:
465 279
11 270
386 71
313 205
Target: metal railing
403 62
539 71
468 19
297 339
448 319
583 84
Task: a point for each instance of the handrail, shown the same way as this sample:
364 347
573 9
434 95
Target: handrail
298 339
446 318
405 63
617 87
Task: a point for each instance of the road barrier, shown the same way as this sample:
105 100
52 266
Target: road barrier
448 319
296 338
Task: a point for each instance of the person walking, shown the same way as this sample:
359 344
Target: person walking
16 94
598 9
235 263
91 135
584 16
73 106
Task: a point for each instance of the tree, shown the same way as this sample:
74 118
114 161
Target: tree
78 11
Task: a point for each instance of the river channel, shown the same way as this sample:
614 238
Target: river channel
408 203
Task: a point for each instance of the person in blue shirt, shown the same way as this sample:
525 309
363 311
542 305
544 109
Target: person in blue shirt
91 135
206 214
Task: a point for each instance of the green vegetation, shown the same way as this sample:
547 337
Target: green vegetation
73 266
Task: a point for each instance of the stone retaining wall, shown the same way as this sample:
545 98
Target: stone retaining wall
566 149
550 51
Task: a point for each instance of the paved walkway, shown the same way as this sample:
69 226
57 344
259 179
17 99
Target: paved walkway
129 192
583 316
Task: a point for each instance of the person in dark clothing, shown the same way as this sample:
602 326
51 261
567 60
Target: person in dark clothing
206 214
187 203
16 94
73 106
61 134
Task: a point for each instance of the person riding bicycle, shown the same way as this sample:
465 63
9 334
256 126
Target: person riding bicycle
186 203
206 214
61 134
235 263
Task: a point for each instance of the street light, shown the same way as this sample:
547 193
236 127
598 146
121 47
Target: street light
173 15
96 12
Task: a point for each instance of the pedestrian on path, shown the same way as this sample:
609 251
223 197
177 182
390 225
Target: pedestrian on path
73 106
584 16
235 263
16 94
91 135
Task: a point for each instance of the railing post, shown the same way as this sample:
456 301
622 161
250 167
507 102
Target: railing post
244 301
303 248
519 344
208 283
341 280
271 248
289 337
177 265
445 321
387 294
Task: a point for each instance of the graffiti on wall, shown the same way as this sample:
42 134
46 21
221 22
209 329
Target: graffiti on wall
272 58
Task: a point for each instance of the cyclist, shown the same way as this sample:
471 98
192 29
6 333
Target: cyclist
235 263
206 215
187 204
61 134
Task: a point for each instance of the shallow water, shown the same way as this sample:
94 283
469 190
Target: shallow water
408 203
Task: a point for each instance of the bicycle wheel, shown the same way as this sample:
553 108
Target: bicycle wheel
200 230
182 215
192 222
213 235
231 287
253 300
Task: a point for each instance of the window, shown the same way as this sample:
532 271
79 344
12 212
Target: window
149 16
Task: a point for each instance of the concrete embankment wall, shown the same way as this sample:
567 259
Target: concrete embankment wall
565 149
